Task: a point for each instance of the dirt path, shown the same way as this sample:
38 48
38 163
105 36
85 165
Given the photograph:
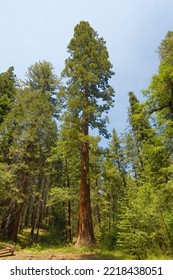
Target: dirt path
56 256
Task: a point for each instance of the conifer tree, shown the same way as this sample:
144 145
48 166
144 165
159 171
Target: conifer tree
41 77
87 95
160 91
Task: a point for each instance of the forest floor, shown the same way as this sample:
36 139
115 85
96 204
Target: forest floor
46 249
52 255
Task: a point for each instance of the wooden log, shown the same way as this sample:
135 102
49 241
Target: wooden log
6 250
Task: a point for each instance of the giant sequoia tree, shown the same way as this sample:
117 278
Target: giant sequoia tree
88 94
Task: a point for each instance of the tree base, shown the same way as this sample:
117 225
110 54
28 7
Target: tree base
83 242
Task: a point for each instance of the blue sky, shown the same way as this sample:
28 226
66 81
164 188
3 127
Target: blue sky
33 30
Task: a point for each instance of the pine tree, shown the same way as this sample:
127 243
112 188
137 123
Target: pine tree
41 76
141 133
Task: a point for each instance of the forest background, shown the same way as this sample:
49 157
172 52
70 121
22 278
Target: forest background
48 154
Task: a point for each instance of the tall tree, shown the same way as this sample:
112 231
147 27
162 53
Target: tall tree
87 95
140 134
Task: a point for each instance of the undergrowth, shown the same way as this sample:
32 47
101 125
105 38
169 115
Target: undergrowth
50 243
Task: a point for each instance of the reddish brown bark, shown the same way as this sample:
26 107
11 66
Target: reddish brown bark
86 233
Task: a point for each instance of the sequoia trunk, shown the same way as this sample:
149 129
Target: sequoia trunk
85 234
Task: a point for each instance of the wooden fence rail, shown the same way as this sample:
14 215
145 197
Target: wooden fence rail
7 250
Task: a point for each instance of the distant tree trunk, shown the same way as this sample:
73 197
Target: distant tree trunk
15 211
86 233
34 214
98 214
69 231
16 222
27 216
12 223
39 218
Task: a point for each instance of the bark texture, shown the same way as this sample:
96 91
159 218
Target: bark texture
86 233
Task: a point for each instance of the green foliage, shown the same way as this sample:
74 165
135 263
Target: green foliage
26 139
108 238
144 223
5 180
41 76
159 93
7 92
144 218
138 119
57 233
88 70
